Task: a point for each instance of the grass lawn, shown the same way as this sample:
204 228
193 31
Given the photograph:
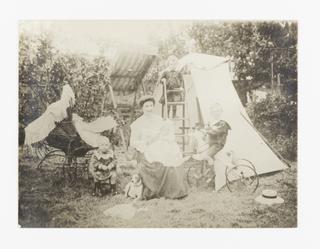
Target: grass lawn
46 201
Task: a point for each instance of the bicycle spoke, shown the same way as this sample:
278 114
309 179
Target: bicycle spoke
242 178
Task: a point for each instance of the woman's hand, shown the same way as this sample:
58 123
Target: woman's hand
103 167
131 153
200 157
197 157
210 161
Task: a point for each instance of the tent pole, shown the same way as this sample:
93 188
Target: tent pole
165 99
143 88
267 143
117 115
133 105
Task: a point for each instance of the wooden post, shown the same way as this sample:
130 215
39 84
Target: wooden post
165 116
133 105
143 87
184 120
278 84
272 85
118 116
103 103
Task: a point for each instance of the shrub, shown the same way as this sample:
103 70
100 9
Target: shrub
286 146
276 118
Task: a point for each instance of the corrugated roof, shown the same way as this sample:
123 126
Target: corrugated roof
129 69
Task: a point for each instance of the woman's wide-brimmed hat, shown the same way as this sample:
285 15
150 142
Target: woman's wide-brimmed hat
146 98
269 197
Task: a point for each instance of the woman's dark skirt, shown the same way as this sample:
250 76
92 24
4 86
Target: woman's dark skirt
162 181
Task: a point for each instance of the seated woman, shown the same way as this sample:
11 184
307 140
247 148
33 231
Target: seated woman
158 155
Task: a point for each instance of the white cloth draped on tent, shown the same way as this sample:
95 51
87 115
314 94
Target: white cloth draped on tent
40 128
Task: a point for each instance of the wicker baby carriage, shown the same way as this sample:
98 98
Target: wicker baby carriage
64 149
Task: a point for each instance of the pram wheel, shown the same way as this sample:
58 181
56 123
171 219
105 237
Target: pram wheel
53 159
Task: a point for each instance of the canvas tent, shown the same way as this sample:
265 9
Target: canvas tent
208 82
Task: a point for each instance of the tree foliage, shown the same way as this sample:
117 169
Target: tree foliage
175 44
252 47
43 71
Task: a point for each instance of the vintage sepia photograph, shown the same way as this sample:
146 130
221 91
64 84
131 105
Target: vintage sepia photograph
157 124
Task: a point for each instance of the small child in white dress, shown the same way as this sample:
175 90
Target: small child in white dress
163 148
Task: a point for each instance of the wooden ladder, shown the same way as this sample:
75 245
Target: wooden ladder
182 103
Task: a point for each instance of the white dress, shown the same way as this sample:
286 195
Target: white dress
154 137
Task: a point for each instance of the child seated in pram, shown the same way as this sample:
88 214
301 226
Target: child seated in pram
102 167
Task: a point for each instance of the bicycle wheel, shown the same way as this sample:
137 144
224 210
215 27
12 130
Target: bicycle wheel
242 178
